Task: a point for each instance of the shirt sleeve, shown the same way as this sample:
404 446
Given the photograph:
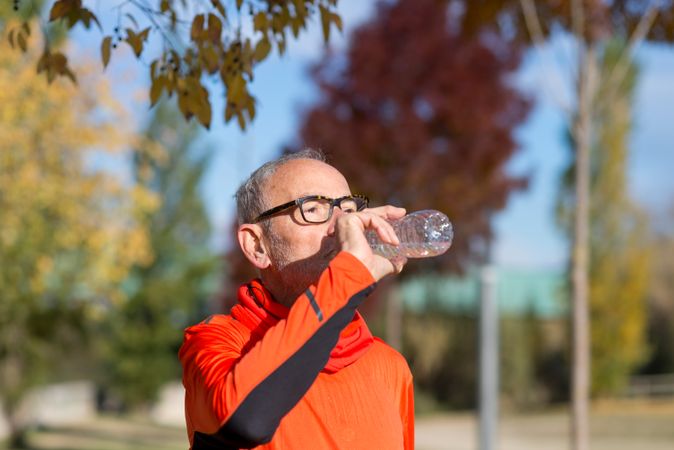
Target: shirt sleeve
237 393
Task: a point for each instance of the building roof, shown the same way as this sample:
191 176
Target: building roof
541 292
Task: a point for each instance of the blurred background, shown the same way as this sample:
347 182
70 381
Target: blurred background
117 218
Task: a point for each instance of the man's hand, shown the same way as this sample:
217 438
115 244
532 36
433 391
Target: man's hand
350 229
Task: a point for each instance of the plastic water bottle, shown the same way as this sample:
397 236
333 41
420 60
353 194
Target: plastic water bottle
422 234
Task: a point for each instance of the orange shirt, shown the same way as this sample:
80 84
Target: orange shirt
284 385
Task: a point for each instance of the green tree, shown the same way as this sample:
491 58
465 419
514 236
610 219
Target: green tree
522 350
195 41
144 334
619 250
442 350
68 234
661 298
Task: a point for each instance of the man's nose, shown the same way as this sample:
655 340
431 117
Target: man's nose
336 212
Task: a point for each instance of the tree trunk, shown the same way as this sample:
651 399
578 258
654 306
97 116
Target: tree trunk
18 438
582 131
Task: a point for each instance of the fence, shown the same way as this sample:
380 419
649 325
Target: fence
651 386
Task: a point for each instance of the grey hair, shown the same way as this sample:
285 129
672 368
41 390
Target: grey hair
250 199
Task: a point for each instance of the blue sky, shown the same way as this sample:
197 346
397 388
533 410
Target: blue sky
526 235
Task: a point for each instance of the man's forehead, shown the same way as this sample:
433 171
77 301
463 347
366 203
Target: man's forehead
301 177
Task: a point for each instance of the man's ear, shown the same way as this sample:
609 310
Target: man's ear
250 241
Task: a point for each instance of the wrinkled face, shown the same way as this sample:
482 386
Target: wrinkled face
300 251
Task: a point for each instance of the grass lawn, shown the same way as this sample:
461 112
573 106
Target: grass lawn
110 433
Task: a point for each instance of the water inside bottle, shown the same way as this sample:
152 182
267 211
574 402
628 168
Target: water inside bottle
428 234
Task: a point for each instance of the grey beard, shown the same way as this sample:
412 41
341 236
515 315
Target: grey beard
292 278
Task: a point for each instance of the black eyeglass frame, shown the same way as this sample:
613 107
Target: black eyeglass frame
299 201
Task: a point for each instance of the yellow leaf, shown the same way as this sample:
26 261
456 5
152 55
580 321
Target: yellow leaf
262 49
153 69
58 61
235 89
156 89
300 8
59 9
11 37
277 24
67 72
43 62
197 27
248 59
183 104
21 40
251 108
86 16
95 19
220 8
105 50
229 112
210 59
135 41
296 24
203 113
337 20
325 22
242 120
145 33
260 22
214 27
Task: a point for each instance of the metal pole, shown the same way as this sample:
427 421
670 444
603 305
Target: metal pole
488 360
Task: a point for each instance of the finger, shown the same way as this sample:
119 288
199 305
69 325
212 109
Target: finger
383 229
398 263
388 211
394 212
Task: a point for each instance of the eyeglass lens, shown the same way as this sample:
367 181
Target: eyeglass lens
318 210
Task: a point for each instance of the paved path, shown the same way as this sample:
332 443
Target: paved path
625 426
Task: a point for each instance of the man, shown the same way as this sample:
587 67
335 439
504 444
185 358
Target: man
294 366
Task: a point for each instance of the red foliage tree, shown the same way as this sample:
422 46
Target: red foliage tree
421 115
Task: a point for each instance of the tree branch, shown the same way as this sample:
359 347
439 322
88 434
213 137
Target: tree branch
619 71
535 30
577 18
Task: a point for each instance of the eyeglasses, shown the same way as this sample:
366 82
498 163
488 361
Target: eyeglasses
318 209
